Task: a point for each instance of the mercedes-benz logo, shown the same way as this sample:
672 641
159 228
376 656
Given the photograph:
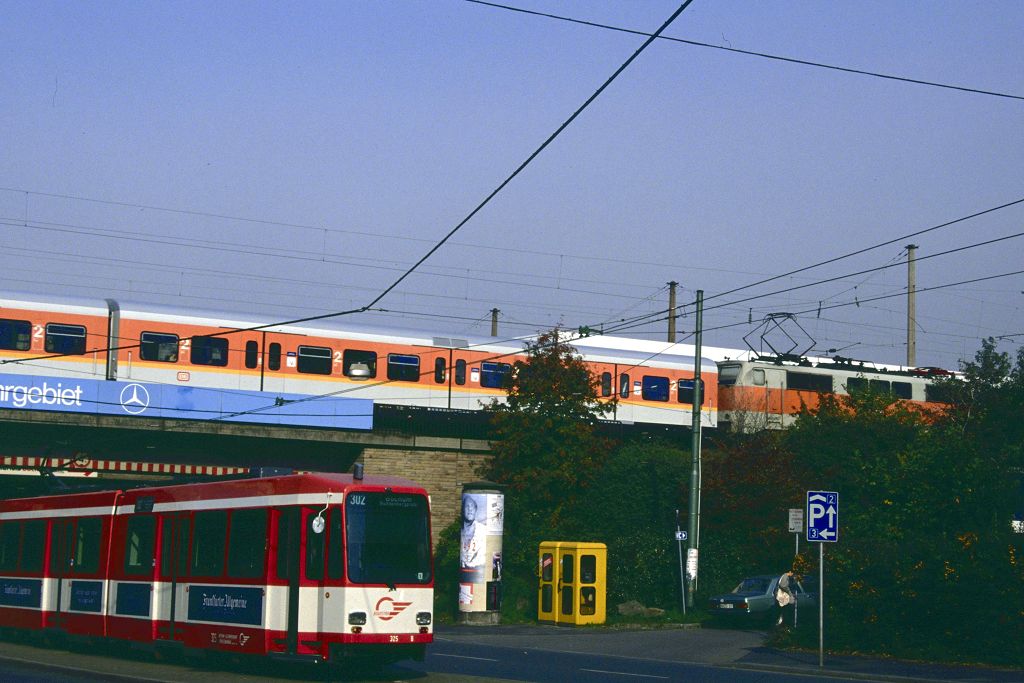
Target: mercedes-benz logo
134 399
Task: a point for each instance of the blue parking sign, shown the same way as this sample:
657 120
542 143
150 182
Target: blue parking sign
823 516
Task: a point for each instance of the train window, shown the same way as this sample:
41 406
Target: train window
806 381
314 551
624 385
210 351
439 370
606 384
728 374
939 393
403 367
336 549
758 378
654 388
87 545
211 528
685 392
252 354
247 543
315 360
903 390
460 372
881 386
69 339
138 547
359 364
32 545
274 361
493 375
10 543
855 384
15 335
159 347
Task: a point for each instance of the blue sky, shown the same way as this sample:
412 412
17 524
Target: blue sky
291 159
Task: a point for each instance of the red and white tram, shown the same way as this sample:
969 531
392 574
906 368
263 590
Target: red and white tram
318 567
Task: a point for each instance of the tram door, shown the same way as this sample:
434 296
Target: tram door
174 546
61 546
289 547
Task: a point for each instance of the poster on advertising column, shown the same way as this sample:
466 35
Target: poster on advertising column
483 516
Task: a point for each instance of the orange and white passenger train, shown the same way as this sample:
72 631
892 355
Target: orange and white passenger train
645 381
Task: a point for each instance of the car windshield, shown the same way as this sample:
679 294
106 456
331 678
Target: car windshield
757 585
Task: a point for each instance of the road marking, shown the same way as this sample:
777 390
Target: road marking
479 659
621 673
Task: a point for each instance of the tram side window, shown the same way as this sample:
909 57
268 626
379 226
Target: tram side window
404 367
335 549
460 372
69 339
685 392
247 543
210 351
274 361
624 385
159 347
138 547
287 544
33 545
654 388
493 375
208 543
252 354
10 542
87 545
806 381
359 364
315 360
314 551
15 335
439 370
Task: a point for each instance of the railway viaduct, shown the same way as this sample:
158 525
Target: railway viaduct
44 452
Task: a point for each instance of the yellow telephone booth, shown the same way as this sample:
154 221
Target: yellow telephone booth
573 582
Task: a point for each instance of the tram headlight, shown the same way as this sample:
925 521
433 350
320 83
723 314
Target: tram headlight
422 618
357 618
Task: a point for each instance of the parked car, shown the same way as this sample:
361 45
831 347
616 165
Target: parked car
753 601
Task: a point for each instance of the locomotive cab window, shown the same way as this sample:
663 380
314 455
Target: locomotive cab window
15 335
728 374
315 360
403 367
69 339
159 347
654 388
210 351
359 364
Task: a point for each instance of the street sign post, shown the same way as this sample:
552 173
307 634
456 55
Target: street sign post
822 528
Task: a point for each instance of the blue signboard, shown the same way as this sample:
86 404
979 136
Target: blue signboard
21 592
225 604
87 596
133 599
144 399
823 516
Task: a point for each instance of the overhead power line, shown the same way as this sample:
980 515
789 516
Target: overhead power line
751 53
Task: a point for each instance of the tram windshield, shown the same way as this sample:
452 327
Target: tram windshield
387 538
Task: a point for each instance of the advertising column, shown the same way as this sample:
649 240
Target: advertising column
483 516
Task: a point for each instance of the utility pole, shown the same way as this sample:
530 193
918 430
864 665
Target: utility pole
911 305
672 312
694 517
494 322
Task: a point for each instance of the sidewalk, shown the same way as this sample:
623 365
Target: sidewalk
740 649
